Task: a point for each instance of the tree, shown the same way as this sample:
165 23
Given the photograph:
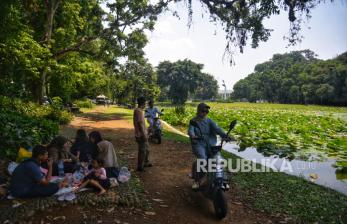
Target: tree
324 91
134 80
207 88
180 77
78 28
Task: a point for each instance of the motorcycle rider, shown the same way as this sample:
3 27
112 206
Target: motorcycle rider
150 114
209 130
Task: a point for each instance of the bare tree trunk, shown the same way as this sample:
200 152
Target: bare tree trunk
51 7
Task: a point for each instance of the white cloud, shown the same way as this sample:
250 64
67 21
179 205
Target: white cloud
169 49
164 28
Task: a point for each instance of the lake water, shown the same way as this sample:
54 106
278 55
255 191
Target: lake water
322 173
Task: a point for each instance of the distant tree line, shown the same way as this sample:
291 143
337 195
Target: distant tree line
296 77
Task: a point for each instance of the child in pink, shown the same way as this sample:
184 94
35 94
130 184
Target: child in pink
97 177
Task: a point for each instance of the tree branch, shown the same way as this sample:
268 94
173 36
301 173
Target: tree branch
76 47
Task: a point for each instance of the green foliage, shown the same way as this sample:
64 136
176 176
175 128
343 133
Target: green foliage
207 88
179 79
17 129
62 48
84 103
28 124
296 77
290 132
52 112
59 116
136 78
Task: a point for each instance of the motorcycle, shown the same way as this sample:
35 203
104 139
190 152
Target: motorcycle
217 181
156 130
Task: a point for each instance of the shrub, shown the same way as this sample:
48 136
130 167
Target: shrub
85 103
59 116
52 112
28 124
19 129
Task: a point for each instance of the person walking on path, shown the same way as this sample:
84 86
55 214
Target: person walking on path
141 135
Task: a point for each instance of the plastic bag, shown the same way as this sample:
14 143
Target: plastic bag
124 175
23 154
113 182
11 167
77 176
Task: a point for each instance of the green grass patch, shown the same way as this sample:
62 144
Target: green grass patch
107 113
276 192
175 137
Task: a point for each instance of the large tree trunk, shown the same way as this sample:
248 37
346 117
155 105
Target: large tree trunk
51 7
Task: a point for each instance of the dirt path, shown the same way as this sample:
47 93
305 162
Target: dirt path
166 183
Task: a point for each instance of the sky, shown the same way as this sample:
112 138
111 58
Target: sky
325 33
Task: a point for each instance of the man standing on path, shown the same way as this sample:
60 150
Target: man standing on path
141 135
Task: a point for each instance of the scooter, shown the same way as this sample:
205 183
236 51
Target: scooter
156 130
216 181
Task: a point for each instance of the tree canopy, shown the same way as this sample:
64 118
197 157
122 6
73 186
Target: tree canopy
297 77
179 79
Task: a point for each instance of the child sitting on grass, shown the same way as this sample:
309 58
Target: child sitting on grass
97 177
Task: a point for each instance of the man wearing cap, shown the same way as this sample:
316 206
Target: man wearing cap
209 130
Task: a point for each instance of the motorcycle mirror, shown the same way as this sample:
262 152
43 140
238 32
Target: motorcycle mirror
162 110
232 124
193 123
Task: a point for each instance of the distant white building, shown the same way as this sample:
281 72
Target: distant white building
224 94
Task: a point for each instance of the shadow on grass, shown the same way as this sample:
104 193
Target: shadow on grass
100 116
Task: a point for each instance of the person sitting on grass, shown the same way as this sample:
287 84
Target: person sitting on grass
28 181
97 177
82 148
59 150
106 152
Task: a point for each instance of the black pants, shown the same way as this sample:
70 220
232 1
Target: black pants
104 183
40 190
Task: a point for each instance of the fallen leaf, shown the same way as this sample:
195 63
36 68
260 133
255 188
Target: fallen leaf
150 213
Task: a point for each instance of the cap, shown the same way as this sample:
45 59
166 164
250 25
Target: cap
203 106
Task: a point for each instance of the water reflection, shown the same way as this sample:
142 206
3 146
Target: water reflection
322 173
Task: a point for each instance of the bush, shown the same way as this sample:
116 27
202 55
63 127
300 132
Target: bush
59 116
85 103
52 112
19 129
180 110
28 124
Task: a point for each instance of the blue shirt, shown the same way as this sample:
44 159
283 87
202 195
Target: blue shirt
152 112
25 177
209 131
